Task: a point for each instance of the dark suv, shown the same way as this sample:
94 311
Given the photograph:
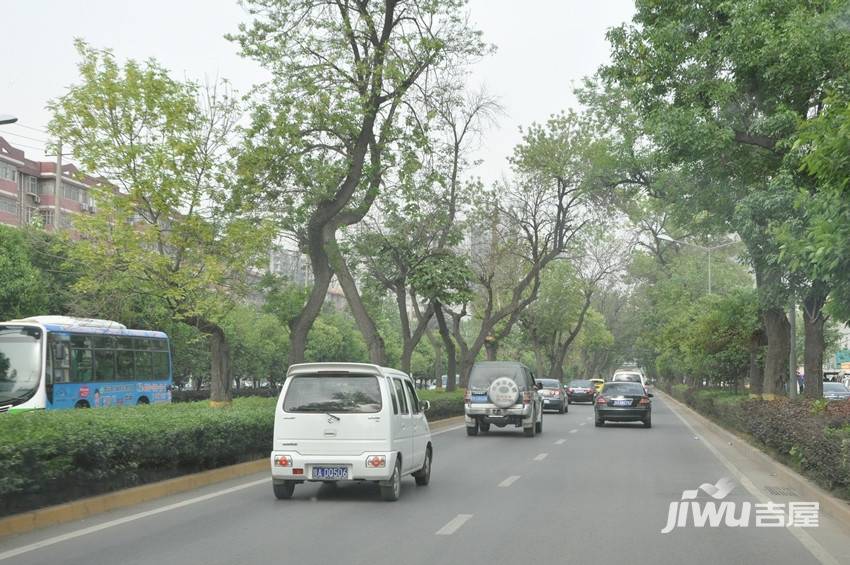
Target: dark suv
502 393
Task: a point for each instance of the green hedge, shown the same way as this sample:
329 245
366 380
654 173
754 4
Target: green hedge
56 456
813 436
51 457
443 404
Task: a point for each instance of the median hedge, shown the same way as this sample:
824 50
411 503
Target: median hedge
813 436
53 457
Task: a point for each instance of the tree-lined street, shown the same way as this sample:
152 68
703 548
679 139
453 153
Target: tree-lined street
575 494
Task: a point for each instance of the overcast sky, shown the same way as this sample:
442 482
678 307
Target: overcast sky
544 48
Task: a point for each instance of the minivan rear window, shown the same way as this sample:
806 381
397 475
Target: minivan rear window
356 394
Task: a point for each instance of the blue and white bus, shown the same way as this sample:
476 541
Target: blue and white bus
49 362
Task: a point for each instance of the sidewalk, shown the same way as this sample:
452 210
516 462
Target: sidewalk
769 480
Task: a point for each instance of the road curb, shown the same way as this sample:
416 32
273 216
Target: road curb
87 507
809 490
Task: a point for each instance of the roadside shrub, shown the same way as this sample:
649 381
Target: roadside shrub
811 435
52 457
443 404
190 395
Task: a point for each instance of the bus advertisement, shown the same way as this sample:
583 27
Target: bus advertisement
54 362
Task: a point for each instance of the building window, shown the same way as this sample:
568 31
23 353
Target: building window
32 185
47 217
8 172
8 206
71 192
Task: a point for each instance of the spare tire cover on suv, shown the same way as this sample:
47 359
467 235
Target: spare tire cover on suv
503 392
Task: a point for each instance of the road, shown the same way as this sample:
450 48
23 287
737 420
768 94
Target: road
574 494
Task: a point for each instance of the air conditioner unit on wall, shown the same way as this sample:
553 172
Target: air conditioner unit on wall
36 198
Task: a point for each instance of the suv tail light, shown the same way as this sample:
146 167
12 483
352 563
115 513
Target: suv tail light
644 401
283 461
466 395
571 389
526 397
601 400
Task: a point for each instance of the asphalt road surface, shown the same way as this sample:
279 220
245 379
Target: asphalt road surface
574 494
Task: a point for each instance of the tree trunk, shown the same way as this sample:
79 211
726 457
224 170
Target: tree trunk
438 358
451 380
756 375
300 326
220 378
491 347
813 321
778 333
367 327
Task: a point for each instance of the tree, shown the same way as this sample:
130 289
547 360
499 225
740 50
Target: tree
556 318
22 290
168 228
522 226
722 88
318 144
418 217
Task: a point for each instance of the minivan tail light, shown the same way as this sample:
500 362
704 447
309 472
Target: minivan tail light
644 401
466 395
282 461
376 461
601 400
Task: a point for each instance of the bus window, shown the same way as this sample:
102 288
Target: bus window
160 365
81 365
104 364
124 343
124 365
104 342
143 365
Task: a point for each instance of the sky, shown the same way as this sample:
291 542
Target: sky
544 48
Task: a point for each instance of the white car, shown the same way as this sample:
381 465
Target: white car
629 377
337 422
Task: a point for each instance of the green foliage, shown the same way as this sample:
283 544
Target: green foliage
259 345
22 286
167 228
811 435
51 457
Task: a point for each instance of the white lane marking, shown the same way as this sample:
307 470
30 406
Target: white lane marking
560 441
447 430
574 431
583 424
588 418
805 539
509 481
541 456
453 525
131 518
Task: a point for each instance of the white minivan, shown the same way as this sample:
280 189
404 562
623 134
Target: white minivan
339 422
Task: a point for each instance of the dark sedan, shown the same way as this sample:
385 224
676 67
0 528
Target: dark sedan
580 391
623 402
553 395
835 391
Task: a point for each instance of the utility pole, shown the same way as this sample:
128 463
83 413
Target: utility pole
709 270
792 355
57 196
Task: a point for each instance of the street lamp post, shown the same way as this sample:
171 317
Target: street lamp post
6 119
708 250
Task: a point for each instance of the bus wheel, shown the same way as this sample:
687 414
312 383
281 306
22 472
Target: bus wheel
143 400
82 404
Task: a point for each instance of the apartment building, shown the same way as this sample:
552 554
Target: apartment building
28 190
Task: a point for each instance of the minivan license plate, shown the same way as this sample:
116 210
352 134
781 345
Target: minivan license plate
335 473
